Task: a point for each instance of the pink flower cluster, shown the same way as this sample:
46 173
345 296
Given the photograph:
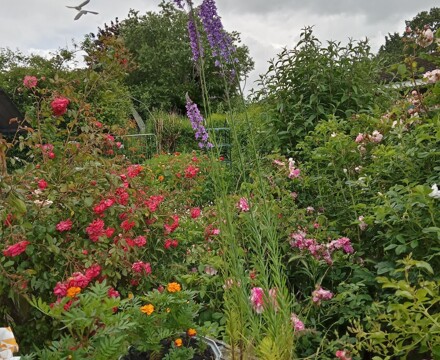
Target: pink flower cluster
425 37
138 241
243 205
195 212
320 251
30 81
432 76
297 324
170 228
257 299
47 150
64 225
191 171
96 229
375 137
342 355
293 171
77 279
59 106
103 206
134 170
320 294
153 202
139 267
170 243
16 249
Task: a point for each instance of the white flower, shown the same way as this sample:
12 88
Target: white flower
43 203
435 193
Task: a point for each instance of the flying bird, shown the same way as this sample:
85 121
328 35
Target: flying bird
82 12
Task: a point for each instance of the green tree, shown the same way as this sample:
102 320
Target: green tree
394 49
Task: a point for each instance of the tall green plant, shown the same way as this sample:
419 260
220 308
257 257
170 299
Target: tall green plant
312 82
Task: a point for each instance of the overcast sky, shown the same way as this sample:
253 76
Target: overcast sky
266 26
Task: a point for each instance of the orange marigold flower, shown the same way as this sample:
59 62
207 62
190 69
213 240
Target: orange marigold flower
73 291
173 287
178 342
161 178
147 309
191 332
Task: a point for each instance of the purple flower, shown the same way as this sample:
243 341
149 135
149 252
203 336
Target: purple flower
179 4
196 45
219 41
197 124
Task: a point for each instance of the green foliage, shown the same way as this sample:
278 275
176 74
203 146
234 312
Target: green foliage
311 82
170 314
91 329
407 322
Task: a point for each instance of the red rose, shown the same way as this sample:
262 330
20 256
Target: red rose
16 249
59 106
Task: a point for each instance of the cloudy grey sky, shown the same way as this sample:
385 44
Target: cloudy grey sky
266 26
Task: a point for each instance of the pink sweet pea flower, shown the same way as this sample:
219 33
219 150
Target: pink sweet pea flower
297 324
321 294
243 205
256 298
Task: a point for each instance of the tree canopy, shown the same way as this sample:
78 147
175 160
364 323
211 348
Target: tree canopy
164 71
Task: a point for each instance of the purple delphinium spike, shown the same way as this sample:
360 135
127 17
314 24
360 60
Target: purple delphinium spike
197 120
219 41
179 4
196 46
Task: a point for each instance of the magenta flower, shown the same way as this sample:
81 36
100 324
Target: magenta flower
140 266
112 293
297 324
243 205
342 355
16 249
195 212
256 298
93 271
64 225
60 289
293 171
320 294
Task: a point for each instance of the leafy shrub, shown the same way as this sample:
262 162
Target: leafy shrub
312 82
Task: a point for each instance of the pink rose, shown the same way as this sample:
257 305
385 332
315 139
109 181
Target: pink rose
30 81
59 106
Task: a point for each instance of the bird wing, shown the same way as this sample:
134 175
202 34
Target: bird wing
91 12
81 13
83 3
